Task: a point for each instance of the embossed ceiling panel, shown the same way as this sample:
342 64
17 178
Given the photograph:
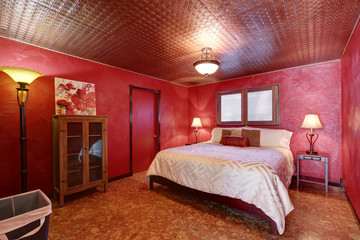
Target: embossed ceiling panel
162 38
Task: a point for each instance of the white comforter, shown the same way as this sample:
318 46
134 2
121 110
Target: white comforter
256 175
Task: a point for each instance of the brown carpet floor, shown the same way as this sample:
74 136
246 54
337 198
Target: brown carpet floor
129 210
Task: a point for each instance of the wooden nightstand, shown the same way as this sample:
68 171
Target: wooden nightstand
318 157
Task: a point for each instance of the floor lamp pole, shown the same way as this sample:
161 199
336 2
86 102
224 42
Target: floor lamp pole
23 97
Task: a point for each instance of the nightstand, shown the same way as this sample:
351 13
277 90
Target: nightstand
318 157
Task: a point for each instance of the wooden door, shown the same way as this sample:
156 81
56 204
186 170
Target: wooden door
144 127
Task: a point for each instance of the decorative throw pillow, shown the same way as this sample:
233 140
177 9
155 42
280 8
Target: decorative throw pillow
225 132
235 132
235 141
253 136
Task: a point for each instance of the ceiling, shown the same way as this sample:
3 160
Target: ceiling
163 38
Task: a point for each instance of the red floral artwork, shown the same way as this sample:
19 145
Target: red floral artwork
78 98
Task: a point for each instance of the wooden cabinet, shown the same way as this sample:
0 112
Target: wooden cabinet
79 154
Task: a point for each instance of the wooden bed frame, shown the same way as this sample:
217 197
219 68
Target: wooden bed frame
226 201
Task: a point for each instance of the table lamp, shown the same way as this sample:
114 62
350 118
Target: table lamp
196 123
311 122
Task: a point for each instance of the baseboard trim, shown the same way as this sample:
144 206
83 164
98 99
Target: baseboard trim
120 177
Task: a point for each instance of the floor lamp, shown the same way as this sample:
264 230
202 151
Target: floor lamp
24 77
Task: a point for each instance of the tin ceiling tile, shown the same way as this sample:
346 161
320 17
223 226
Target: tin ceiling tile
162 38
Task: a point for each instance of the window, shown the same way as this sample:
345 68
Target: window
251 106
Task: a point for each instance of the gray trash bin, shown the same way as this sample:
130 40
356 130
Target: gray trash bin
25 216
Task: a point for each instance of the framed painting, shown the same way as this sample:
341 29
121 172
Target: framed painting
74 97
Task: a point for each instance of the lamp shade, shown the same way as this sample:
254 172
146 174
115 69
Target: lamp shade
21 75
311 121
196 123
206 67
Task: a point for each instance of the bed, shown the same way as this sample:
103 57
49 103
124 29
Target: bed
250 179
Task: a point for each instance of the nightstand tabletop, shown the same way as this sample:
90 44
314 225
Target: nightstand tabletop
318 155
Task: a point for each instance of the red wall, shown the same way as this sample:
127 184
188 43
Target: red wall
112 96
310 89
351 118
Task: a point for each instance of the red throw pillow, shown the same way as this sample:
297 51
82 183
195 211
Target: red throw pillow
235 141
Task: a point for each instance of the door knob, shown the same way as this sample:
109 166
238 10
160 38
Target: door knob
154 136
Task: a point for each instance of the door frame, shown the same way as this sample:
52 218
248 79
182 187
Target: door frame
131 119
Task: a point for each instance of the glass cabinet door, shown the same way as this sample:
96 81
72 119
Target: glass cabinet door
95 151
74 154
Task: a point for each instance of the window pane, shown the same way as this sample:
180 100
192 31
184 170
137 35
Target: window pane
260 106
231 107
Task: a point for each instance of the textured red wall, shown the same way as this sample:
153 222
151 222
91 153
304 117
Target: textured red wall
351 119
310 89
112 96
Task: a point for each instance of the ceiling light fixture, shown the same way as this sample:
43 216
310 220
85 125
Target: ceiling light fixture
207 65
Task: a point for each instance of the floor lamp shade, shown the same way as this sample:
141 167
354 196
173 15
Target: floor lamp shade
21 75
24 77
196 123
311 121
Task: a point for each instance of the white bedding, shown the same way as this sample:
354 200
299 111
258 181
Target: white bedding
256 175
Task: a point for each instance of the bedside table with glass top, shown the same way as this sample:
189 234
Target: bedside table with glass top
318 157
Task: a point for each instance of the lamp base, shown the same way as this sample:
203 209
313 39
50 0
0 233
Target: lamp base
312 153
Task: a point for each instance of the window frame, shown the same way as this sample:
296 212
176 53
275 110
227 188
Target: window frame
244 106
218 107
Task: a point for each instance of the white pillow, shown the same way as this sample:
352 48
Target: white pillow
274 137
216 134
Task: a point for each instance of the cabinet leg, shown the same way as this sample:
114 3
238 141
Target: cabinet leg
105 187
